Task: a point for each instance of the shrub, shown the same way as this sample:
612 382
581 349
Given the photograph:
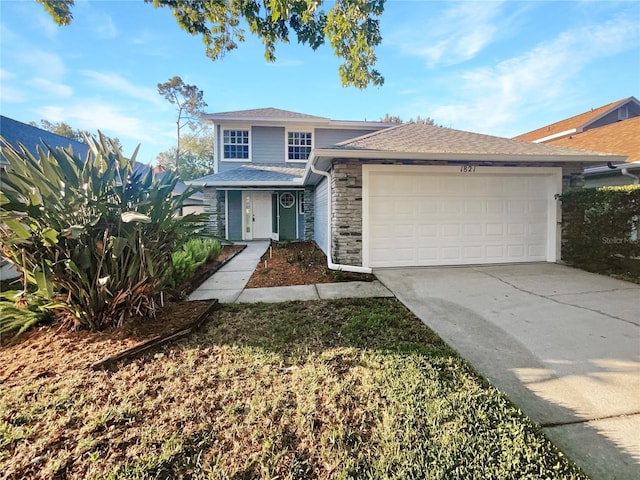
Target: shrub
600 228
95 236
191 256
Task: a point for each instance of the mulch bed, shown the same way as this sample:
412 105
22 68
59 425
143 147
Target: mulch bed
298 263
48 350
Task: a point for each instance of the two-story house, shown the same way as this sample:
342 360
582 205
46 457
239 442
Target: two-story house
373 194
257 190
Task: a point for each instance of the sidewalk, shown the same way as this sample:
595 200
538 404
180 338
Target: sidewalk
228 284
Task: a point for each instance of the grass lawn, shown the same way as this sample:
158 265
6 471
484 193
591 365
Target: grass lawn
328 389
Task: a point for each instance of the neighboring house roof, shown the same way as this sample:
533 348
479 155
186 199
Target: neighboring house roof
620 138
574 124
431 142
15 132
256 174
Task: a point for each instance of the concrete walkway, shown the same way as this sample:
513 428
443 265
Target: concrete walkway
562 343
228 284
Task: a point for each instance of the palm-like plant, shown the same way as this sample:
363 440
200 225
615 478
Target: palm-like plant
94 236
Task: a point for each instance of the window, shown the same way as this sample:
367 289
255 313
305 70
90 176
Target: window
287 200
301 203
235 144
298 146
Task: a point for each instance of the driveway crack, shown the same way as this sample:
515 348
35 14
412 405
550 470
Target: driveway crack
550 298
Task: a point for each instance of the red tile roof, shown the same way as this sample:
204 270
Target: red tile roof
569 123
621 138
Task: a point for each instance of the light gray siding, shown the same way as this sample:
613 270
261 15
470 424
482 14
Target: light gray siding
325 137
226 166
267 144
320 219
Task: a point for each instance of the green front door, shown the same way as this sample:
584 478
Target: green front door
288 210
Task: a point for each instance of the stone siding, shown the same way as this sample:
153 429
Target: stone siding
346 212
214 206
309 211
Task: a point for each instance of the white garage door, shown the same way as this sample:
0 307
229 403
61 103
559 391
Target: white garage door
423 216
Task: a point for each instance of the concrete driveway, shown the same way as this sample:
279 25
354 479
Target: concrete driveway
563 344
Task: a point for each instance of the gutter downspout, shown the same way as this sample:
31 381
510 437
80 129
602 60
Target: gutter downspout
636 178
330 264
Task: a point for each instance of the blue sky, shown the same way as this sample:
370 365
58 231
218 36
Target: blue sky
495 67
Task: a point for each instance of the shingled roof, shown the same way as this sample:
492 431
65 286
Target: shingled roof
255 174
263 114
620 138
576 122
415 138
15 132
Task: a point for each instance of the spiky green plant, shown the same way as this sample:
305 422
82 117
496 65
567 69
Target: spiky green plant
94 235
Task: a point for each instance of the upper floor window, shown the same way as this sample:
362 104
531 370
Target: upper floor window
299 146
235 144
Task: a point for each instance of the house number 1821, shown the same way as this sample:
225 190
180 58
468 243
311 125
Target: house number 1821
468 168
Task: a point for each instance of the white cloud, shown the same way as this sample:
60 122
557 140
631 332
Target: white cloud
11 94
113 81
458 35
51 88
493 97
94 115
43 64
6 74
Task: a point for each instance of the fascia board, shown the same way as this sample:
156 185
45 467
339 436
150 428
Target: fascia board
296 183
481 157
266 121
555 135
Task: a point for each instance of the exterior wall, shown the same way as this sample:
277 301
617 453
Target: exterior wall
214 205
309 214
346 212
325 137
346 200
194 209
267 144
624 112
320 212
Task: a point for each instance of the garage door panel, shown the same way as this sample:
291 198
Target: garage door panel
453 220
474 229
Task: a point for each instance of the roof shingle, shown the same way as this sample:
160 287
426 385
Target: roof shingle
260 173
620 138
569 123
425 139
263 113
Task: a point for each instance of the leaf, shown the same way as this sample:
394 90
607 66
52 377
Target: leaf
18 228
128 217
49 237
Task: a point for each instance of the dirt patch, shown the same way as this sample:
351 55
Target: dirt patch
298 263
